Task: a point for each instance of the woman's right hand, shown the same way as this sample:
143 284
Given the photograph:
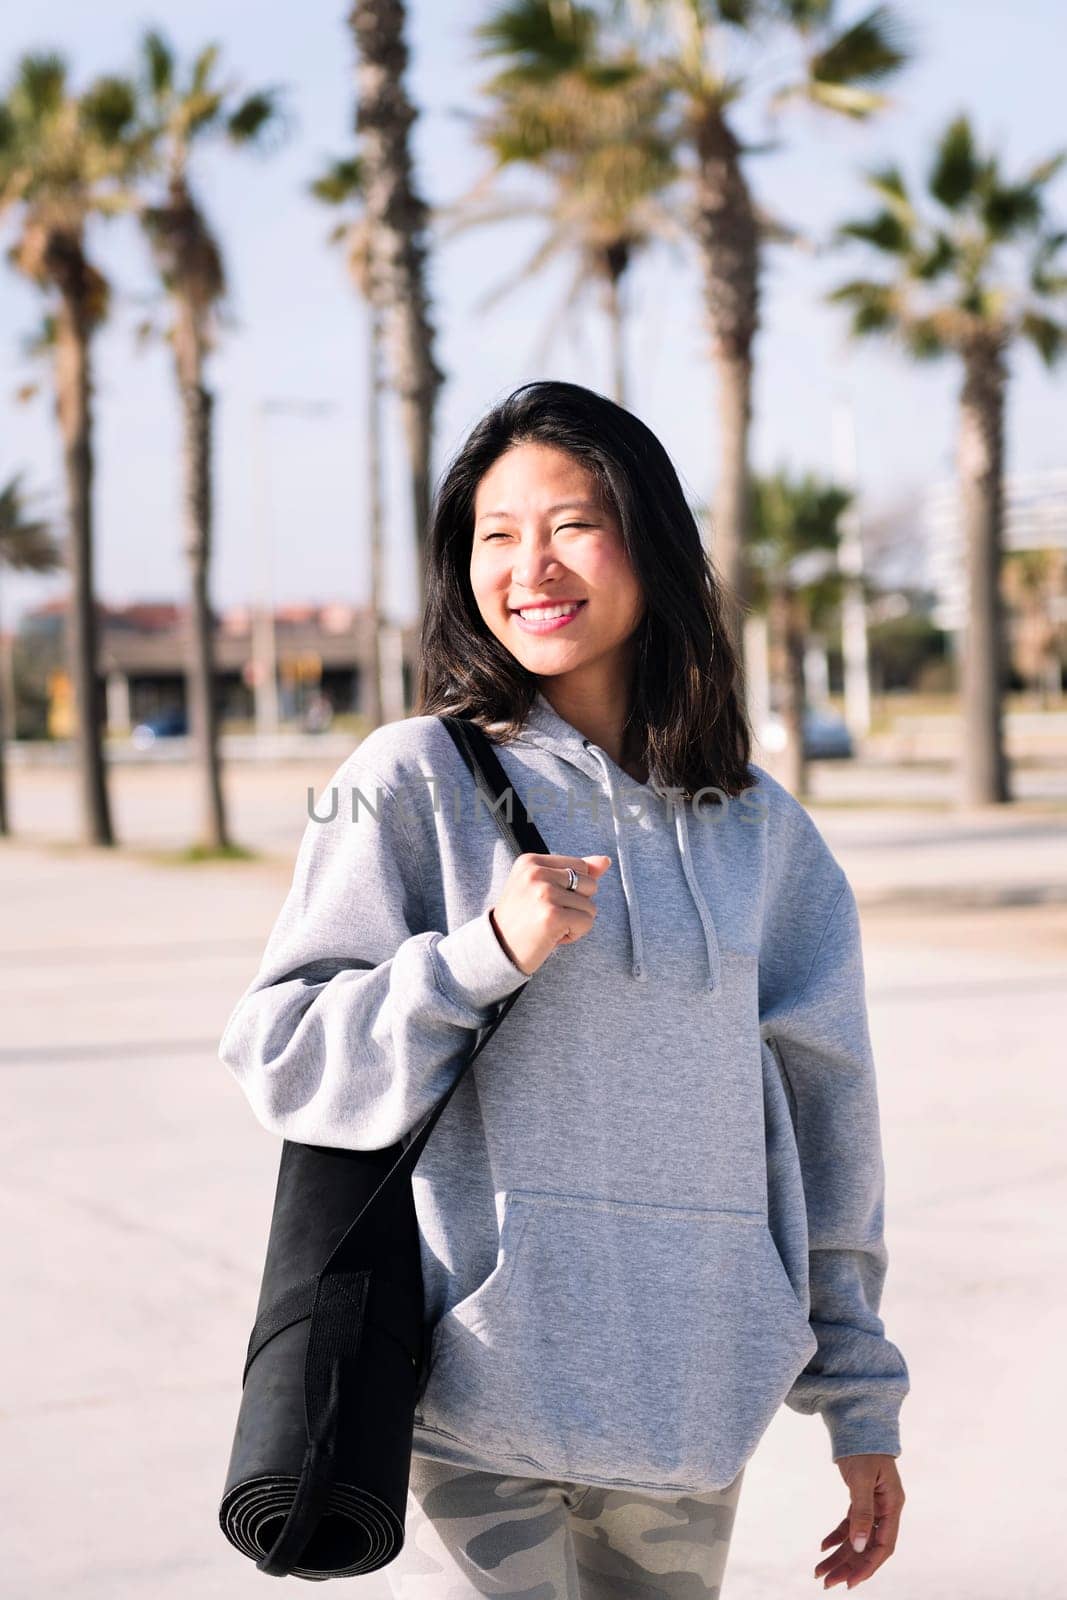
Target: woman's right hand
536 910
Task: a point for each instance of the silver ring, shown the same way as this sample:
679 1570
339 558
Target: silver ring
572 881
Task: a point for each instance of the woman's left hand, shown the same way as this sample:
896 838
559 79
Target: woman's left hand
873 1517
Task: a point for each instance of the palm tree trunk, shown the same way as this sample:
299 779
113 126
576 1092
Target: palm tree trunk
375 700
981 489
728 241
197 406
74 407
729 516
611 296
416 413
8 691
397 219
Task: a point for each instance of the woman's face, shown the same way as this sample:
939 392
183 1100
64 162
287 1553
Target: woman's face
543 533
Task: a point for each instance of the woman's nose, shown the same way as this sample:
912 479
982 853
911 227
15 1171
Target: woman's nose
533 566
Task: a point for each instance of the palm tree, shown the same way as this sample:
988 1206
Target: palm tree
971 271
342 185
795 538
66 159
183 109
26 545
714 55
589 122
397 218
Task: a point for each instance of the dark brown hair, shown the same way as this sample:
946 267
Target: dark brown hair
687 723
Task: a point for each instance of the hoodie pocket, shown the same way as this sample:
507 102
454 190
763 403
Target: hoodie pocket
621 1341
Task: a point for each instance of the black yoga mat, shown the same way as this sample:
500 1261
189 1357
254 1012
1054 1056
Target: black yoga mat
375 1309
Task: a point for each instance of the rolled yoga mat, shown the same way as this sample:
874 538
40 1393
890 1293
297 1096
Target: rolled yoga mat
311 1414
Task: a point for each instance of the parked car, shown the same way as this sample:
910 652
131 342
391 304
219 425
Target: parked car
826 735
171 724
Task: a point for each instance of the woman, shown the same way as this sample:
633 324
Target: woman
652 1211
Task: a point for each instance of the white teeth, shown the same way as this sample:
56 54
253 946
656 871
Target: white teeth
546 613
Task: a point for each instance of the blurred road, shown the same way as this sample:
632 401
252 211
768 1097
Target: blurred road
136 1190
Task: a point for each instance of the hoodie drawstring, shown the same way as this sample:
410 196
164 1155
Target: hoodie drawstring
711 940
707 922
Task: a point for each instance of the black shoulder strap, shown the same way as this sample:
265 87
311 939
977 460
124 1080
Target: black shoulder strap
484 765
482 760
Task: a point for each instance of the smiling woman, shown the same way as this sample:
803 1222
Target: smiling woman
651 1212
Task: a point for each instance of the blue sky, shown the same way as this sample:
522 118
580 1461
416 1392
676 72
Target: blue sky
300 332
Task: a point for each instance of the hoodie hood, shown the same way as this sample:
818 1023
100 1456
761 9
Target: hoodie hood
545 728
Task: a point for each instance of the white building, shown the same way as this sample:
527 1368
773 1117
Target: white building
1035 518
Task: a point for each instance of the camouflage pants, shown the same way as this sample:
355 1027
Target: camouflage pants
476 1533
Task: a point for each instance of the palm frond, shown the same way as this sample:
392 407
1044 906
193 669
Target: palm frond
1047 336
8 137
804 15
198 112
341 182
460 217
924 338
937 259
846 99
1044 280
872 304
158 63
890 185
203 67
885 231
744 14
869 51
1007 210
256 114
539 39
796 518
27 543
1046 170
40 85
775 230
954 174
108 109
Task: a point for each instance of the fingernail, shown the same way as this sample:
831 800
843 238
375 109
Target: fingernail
859 1542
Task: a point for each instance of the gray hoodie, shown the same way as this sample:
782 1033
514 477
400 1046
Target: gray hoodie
653 1209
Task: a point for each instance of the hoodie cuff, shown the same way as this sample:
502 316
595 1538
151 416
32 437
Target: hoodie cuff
471 966
860 1436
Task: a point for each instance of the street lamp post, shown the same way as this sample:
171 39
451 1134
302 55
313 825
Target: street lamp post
854 645
264 638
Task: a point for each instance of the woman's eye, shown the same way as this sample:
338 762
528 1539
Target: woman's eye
501 533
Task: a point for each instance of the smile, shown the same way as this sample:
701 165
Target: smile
544 619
